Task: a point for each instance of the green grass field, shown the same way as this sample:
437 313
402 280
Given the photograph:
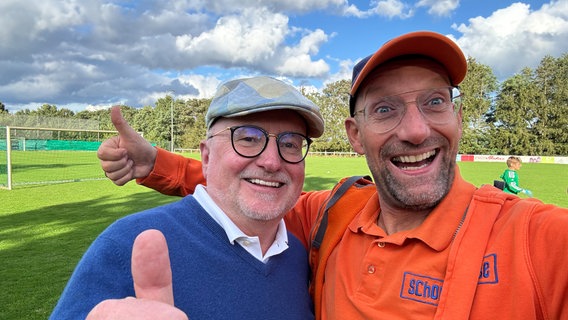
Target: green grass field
44 229
33 167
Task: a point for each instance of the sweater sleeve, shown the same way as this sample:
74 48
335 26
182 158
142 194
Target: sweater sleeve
173 174
103 273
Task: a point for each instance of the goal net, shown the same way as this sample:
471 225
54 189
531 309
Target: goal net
31 156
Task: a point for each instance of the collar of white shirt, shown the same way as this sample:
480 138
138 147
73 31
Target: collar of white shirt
234 234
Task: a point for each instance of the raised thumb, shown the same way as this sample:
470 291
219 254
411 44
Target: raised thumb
121 125
151 269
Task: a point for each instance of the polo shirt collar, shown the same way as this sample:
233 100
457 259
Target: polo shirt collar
438 229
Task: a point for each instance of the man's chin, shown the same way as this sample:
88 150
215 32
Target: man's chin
414 196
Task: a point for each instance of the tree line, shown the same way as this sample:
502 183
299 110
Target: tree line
526 114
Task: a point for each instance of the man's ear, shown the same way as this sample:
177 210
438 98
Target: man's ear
204 147
352 129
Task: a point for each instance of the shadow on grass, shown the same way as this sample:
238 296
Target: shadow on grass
39 248
49 166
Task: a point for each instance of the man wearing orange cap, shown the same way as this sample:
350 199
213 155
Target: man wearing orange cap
421 243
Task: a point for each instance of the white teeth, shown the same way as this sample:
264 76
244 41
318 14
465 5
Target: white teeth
265 183
413 168
416 158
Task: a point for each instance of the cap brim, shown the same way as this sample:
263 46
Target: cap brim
424 43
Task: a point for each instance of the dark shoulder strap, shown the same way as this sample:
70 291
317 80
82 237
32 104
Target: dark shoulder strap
318 238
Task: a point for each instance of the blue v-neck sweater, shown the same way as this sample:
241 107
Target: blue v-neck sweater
212 279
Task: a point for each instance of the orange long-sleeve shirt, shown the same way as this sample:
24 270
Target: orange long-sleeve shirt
481 254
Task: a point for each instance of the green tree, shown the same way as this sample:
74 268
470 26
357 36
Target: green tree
551 82
52 111
530 114
477 89
101 116
157 125
145 121
515 115
334 107
192 122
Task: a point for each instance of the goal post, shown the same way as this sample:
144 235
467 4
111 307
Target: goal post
31 156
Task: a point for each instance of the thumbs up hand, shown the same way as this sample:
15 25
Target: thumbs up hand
151 269
126 156
152 277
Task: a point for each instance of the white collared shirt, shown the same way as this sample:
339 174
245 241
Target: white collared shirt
234 234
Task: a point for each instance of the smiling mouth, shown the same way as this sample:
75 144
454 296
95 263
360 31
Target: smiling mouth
264 183
414 162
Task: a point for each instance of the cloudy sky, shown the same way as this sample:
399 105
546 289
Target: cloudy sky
86 54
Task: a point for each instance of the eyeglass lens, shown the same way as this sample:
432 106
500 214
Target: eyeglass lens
250 141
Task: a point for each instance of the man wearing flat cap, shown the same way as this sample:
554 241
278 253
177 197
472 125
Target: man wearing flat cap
230 254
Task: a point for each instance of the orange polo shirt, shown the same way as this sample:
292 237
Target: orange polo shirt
370 270
500 259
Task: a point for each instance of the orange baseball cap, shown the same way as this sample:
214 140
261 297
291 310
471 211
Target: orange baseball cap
424 43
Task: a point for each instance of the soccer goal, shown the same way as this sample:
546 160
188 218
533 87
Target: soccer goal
31 156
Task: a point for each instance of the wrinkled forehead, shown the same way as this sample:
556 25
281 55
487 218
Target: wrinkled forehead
404 74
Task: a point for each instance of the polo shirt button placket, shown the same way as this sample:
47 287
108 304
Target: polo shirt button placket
381 244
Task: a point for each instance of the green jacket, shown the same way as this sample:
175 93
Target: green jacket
511 179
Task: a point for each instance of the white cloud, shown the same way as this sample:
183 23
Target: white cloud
99 52
236 39
255 39
516 36
297 60
293 6
439 7
402 9
207 85
382 8
392 8
345 71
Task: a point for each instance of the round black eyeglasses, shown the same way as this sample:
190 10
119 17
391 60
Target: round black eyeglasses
250 141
